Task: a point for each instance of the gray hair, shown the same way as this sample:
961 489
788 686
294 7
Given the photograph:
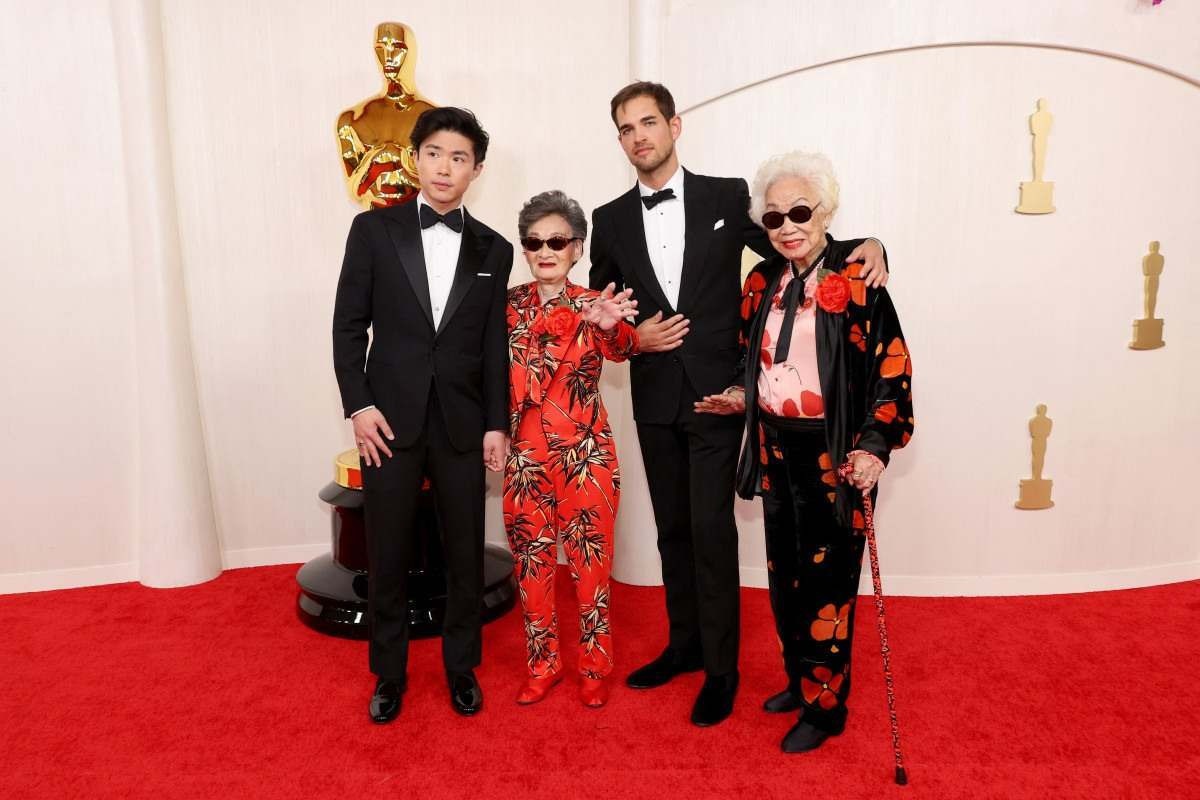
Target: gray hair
814 168
543 205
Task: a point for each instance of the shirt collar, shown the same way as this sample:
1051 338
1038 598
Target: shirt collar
675 183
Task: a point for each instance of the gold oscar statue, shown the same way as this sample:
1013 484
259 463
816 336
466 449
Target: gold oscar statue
373 137
1147 332
1035 492
1037 196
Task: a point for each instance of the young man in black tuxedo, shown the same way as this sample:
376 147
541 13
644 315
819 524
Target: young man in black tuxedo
431 398
676 238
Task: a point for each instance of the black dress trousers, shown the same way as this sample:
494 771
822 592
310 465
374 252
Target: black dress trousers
391 492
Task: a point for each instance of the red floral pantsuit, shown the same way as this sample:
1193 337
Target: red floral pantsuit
561 477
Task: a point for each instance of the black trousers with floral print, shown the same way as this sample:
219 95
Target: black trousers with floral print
813 567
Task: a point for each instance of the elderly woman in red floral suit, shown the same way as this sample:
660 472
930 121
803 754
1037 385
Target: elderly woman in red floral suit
827 381
561 477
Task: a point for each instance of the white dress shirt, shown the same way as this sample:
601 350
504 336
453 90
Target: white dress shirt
664 236
441 246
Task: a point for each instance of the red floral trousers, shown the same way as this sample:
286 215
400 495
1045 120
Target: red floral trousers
562 487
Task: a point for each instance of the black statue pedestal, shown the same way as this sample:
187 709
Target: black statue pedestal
333 587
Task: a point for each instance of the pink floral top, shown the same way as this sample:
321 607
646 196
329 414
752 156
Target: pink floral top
791 388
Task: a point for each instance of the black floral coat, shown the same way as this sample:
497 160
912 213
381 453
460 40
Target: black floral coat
864 366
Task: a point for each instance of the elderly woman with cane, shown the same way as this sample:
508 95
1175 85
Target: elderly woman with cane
827 383
561 477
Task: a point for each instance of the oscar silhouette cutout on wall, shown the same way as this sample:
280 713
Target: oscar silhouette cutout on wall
1148 332
1035 492
1037 196
373 137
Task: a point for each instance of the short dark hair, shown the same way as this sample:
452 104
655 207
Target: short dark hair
449 118
662 98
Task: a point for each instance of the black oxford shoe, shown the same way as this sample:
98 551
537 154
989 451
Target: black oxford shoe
661 670
715 701
784 702
385 702
465 694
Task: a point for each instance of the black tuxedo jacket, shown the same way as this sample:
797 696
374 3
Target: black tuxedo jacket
709 291
383 286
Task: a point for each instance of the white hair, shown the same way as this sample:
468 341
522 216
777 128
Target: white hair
814 168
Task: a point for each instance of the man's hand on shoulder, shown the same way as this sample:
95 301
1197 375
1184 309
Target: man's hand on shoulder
875 271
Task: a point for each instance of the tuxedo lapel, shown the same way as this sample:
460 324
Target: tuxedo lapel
471 252
404 228
633 228
699 211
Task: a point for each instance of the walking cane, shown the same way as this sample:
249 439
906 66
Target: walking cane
869 514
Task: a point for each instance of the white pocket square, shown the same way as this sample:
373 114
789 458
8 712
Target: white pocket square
483 274
719 225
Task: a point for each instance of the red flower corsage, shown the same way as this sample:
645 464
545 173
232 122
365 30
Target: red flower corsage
833 291
560 321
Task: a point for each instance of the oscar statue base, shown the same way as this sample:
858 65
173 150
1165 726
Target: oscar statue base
1037 197
1035 495
333 586
1147 334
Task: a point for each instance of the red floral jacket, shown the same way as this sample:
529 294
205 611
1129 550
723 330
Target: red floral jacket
555 359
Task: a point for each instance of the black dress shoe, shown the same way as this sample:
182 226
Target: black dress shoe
661 670
805 736
385 703
465 694
715 701
784 702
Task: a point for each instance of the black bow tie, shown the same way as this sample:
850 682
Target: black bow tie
451 219
651 200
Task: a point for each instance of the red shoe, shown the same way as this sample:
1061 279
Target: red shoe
593 692
535 688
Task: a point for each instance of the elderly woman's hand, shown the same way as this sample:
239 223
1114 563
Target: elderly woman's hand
608 309
730 401
866 470
874 271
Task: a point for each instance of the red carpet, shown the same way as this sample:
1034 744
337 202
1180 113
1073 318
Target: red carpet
219 691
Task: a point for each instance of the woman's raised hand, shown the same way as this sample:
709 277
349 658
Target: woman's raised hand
608 309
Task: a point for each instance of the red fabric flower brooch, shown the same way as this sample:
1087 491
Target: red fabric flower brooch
557 322
833 291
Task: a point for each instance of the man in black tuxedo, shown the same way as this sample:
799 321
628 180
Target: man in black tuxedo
431 399
676 238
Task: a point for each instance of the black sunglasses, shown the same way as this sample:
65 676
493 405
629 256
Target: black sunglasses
556 243
797 214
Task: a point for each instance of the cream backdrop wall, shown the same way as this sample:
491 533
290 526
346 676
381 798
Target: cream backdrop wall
921 105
